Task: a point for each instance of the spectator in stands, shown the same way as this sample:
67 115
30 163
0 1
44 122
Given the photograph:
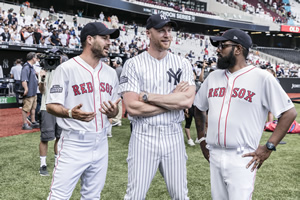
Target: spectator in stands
182 8
43 42
46 36
75 20
9 16
1 22
80 12
36 36
135 27
122 48
206 43
63 38
22 12
14 19
28 36
54 39
5 35
114 21
101 17
73 42
27 4
29 83
51 10
114 48
15 37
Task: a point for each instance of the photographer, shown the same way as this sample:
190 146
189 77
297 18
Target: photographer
49 128
29 83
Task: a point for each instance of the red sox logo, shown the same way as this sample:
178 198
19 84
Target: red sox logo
237 92
84 88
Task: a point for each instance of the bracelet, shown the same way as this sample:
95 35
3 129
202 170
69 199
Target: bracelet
202 139
70 113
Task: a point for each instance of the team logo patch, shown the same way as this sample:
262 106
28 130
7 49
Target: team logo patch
123 79
174 75
56 89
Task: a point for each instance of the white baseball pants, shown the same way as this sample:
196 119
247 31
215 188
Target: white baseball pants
230 180
81 155
152 148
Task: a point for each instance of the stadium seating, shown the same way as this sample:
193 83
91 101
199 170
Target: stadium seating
291 55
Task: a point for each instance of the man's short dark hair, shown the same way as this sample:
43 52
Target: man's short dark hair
30 56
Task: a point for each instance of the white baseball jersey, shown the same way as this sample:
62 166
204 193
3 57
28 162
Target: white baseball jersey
156 141
238 105
76 82
145 73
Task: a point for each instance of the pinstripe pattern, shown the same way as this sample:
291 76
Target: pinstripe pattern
156 142
153 147
148 74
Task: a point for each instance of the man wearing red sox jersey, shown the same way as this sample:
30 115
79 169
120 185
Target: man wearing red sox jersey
238 99
83 95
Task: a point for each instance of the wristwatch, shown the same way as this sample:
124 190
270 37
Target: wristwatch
145 97
271 146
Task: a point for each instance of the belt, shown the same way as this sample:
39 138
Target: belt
83 135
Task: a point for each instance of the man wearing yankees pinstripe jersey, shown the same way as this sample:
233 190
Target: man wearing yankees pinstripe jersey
156 86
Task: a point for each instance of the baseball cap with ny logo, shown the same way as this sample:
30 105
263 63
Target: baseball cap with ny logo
159 20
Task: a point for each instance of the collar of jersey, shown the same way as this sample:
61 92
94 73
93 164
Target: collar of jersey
81 61
234 74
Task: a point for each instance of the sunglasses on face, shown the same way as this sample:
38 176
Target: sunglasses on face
222 46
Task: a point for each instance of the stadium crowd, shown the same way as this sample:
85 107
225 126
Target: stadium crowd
18 28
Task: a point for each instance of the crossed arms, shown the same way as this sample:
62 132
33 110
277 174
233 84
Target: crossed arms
182 97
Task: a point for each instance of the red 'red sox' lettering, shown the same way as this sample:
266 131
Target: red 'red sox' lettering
84 88
241 93
105 87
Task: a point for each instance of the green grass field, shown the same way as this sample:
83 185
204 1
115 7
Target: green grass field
278 179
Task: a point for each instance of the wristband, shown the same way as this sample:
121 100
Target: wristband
70 113
202 139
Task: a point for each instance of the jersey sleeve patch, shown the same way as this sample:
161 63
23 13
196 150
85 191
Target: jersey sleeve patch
56 89
123 79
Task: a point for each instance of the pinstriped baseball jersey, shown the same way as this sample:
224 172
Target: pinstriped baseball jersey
76 82
238 105
143 73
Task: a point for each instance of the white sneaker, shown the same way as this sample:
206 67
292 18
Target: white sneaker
119 123
191 142
109 134
197 141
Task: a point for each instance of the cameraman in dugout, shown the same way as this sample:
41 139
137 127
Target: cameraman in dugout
49 128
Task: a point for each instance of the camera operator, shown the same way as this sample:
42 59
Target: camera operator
207 67
29 83
49 128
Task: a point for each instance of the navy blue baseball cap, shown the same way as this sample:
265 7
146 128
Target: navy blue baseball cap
235 35
98 28
158 21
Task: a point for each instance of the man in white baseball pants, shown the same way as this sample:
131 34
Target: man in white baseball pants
238 99
156 86
81 95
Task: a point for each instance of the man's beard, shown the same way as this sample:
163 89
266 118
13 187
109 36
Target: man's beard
97 51
227 61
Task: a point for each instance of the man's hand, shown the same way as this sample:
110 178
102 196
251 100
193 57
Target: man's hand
79 114
259 156
204 150
42 74
110 109
25 92
181 87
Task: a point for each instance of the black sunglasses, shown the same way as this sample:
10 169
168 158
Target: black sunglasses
224 46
